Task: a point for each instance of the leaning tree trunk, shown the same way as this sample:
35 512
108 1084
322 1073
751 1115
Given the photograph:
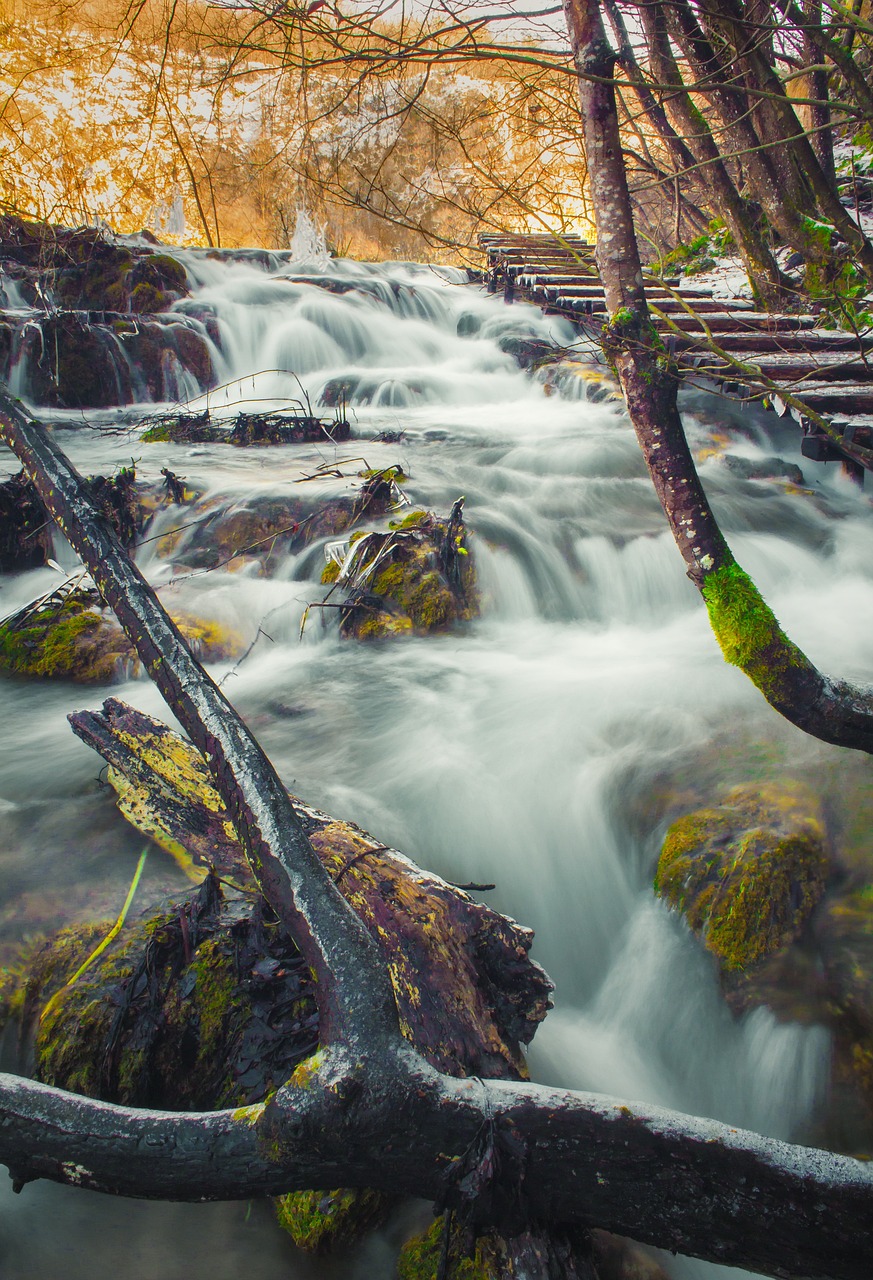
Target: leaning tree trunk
788 216
783 132
767 282
744 625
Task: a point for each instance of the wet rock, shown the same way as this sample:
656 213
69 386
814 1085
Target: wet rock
73 364
528 353
578 380
83 269
618 1259
78 639
415 579
199 1006
162 351
128 505
763 468
456 1251
844 935
266 529
747 873
25 527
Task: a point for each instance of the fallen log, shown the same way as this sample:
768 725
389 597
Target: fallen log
371 1111
468 993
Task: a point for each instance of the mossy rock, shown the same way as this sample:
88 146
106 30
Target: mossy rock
417 579
843 931
844 934
494 1257
324 1221
265 529
25 526
420 1257
205 1004
748 872
80 640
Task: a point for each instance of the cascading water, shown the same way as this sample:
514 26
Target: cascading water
528 751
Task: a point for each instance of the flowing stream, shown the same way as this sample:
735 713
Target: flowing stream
537 749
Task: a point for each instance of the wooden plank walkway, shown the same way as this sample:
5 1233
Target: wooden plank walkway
830 370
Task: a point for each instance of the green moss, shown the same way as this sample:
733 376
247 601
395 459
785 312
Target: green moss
699 265
213 997
410 521
51 646
622 318
397 474
159 434
749 634
330 572
319 1221
420 1258
170 271
63 1058
147 299
421 592
746 874
377 625
304 1071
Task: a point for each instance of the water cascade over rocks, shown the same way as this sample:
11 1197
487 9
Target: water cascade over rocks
543 747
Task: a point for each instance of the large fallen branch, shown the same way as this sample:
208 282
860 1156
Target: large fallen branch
372 1112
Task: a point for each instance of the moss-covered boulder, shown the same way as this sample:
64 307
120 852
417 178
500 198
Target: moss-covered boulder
747 873
77 638
413 580
204 1004
323 1221
74 364
83 269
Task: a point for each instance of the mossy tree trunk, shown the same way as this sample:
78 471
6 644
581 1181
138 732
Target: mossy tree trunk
369 1110
746 629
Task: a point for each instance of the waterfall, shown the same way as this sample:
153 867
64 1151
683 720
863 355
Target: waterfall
532 750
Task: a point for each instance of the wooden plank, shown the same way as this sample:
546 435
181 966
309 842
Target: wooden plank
843 399
582 307
811 340
789 368
596 291
743 322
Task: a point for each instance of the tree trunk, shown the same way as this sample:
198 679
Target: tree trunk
746 629
768 285
786 216
785 135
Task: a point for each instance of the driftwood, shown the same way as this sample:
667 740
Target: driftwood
246 428
468 994
372 1112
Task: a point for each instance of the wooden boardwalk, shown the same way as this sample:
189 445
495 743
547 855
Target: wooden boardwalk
829 370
